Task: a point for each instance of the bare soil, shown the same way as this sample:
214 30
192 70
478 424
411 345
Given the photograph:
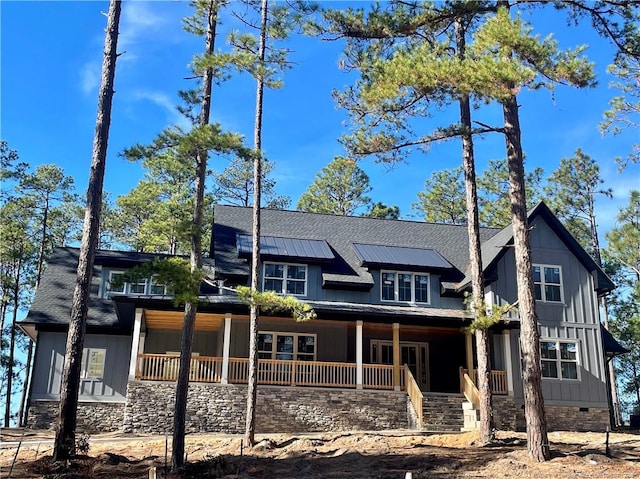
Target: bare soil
332 455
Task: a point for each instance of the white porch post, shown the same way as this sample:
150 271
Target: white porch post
508 366
396 356
358 354
226 347
135 344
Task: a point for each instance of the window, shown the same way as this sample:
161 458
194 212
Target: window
143 286
116 284
139 287
559 359
157 288
285 278
287 346
547 283
93 363
401 286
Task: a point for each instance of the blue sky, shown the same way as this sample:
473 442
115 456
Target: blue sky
51 57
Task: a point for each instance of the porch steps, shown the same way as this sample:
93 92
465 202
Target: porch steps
442 412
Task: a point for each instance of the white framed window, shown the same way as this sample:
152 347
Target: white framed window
285 278
115 284
93 363
156 288
559 359
143 286
547 283
287 346
403 286
138 287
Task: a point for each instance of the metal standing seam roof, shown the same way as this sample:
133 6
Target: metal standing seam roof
290 247
400 256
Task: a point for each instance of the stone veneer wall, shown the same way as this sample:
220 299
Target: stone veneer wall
509 415
220 408
92 417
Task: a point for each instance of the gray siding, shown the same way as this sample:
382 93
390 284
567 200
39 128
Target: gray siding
331 337
160 341
576 318
47 371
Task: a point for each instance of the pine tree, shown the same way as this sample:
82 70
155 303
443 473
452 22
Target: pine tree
339 189
64 446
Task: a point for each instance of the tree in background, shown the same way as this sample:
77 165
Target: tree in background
624 111
443 200
381 211
64 445
341 188
623 251
18 255
234 185
51 194
572 190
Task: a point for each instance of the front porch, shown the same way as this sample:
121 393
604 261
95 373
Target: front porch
330 354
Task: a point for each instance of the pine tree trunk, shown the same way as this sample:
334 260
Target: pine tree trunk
23 411
190 309
12 343
252 389
537 441
64 445
475 255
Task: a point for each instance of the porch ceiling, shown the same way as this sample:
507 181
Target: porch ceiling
174 319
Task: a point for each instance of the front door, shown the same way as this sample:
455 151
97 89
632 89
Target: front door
414 355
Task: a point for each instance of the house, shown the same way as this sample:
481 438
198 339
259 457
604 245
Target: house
389 348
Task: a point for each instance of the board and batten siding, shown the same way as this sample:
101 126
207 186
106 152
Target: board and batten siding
331 341
162 341
576 319
47 370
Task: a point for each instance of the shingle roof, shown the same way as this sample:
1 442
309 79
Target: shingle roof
340 232
52 303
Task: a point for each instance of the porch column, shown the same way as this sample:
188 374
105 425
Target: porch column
468 343
358 354
226 347
396 356
508 366
135 344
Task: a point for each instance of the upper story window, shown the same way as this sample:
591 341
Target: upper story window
93 363
145 286
547 283
402 286
559 359
285 278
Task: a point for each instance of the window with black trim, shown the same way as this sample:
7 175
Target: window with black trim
285 278
402 286
559 359
547 283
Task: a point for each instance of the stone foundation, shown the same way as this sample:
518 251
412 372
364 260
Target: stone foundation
92 417
508 415
221 408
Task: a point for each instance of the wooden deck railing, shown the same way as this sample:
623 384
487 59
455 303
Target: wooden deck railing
469 389
414 393
497 381
163 367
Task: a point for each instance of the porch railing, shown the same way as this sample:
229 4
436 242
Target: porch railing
497 381
469 389
414 393
163 367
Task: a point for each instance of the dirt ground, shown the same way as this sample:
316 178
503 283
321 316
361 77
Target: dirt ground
332 455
